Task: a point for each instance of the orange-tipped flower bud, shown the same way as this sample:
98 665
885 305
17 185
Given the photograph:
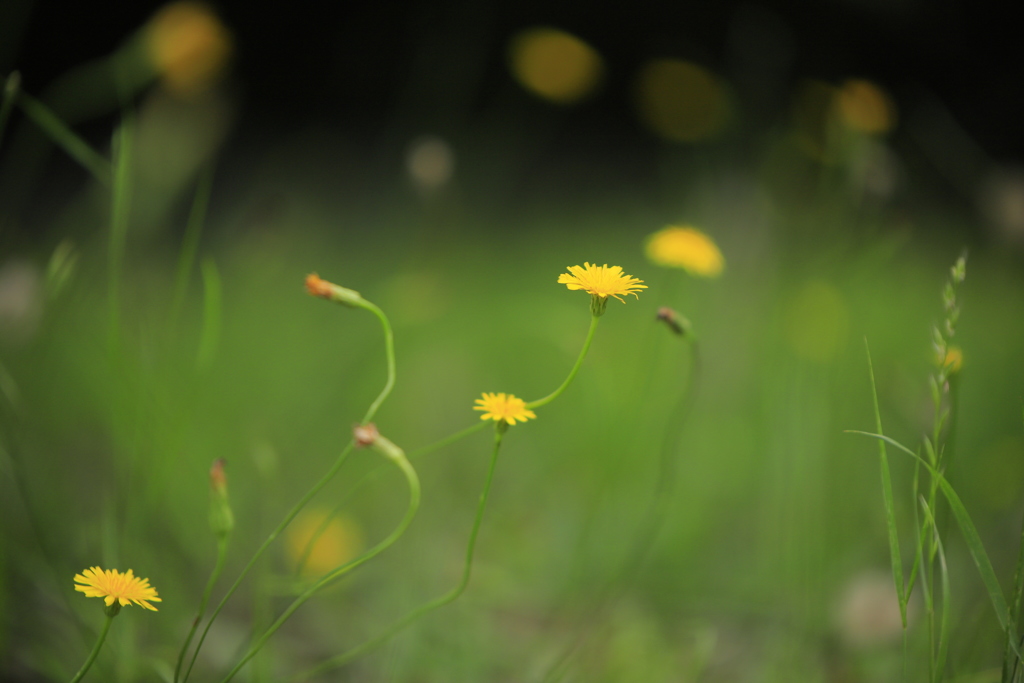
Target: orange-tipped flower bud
222 519
319 287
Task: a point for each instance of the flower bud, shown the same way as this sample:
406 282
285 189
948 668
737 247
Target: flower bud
222 519
319 287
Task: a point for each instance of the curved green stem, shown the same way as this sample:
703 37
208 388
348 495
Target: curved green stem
594 319
372 476
414 501
423 609
389 351
95 650
218 567
266 544
389 347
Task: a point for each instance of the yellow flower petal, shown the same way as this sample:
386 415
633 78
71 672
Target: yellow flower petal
502 407
111 585
602 281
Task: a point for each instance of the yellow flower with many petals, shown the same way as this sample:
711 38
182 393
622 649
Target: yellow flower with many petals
503 408
682 246
112 585
603 281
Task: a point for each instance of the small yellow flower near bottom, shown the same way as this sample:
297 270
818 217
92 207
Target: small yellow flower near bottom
503 408
112 585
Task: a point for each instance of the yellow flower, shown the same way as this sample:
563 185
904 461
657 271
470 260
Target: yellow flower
602 281
682 246
112 585
505 407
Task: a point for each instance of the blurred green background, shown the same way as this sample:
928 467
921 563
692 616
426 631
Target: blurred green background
454 200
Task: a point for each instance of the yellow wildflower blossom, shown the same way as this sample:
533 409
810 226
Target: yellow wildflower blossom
503 407
603 281
682 246
112 585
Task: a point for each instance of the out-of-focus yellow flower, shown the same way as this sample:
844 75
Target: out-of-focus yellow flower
954 360
554 65
503 407
339 541
683 246
681 101
866 107
112 585
189 46
602 281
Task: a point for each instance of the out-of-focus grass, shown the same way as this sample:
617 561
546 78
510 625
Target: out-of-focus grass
774 514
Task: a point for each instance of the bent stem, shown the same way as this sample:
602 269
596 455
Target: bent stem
266 544
594 319
414 501
389 350
369 478
95 649
424 609
218 567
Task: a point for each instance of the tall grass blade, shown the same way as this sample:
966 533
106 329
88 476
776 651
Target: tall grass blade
1009 663
974 544
190 243
890 508
941 655
75 147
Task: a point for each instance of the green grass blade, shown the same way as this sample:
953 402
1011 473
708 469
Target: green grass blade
77 148
120 208
943 651
211 313
890 508
974 544
190 243
1009 664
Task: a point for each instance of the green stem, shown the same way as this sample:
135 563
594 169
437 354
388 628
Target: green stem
594 319
95 649
218 567
389 346
371 477
389 351
266 544
440 601
414 501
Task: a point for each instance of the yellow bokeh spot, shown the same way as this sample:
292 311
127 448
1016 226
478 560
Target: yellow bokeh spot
683 246
189 46
329 541
953 361
817 322
681 101
554 65
865 107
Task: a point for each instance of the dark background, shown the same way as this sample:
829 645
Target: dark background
357 65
